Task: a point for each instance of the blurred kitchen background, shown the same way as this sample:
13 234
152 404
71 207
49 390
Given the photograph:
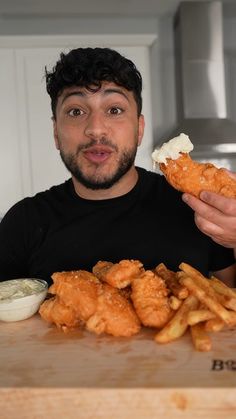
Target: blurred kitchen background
186 52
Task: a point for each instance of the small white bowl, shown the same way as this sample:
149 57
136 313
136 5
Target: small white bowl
22 307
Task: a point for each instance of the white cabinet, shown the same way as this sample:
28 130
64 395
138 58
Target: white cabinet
29 161
10 168
41 162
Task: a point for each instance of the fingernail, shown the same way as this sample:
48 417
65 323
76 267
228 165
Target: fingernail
203 195
185 198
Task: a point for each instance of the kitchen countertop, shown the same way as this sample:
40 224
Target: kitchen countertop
44 371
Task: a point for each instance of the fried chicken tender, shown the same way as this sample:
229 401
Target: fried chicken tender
150 299
187 175
54 311
77 289
118 275
114 315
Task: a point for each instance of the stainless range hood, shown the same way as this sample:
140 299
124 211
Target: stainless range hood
200 78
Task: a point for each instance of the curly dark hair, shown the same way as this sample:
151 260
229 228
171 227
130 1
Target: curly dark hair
89 67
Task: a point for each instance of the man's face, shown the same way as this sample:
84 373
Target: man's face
97 133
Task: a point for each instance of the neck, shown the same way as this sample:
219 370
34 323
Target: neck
123 186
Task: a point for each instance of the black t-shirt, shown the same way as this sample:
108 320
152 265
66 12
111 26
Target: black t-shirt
57 230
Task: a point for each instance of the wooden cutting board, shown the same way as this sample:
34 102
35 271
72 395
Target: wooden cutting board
45 371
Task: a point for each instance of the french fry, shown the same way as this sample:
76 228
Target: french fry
227 295
227 302
190 270
222 288
209 307
174 302
213 287
214 325
198 278
171 281
201 315
201 340
227 316
177 326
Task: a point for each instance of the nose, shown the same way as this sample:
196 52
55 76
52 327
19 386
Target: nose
96 126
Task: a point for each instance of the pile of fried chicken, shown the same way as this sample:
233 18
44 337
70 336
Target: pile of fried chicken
116 298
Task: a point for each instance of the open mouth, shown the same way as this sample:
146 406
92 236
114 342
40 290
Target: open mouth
97 154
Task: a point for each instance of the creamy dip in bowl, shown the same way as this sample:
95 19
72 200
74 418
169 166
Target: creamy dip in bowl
21 298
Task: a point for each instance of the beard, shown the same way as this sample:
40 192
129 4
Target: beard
96 182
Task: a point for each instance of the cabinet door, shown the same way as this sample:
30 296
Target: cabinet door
10 169
44 167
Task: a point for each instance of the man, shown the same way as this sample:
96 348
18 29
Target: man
110 209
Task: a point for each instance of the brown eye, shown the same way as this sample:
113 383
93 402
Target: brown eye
115 111
75 112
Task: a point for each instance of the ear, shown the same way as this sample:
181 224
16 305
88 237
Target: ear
55 133
141 126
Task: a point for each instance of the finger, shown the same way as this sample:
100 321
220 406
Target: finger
192 201
207 227
223 204
205 211
221 242
215 232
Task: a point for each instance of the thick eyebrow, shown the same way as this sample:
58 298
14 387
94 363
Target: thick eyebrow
105 92
75 93
112 90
